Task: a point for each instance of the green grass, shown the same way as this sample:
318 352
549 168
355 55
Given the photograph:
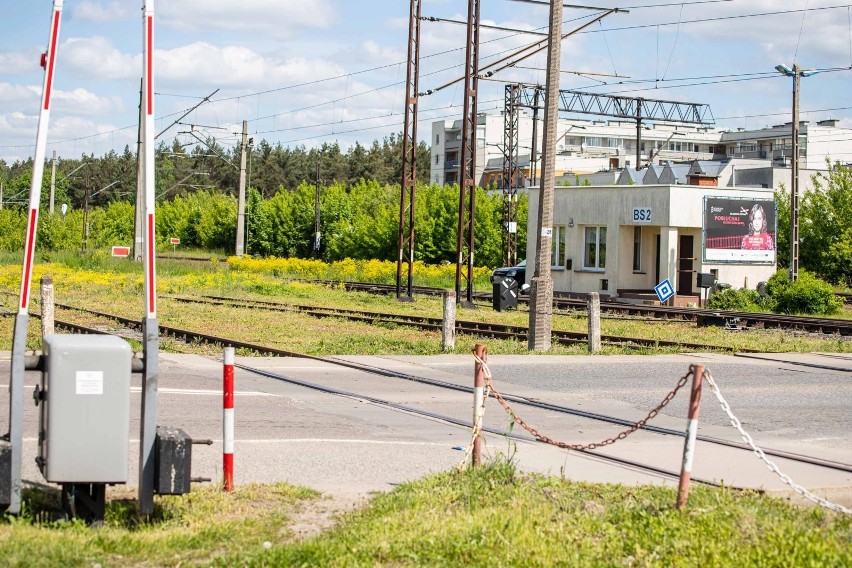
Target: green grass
490 516
115 286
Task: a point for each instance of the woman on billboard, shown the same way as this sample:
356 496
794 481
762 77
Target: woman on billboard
757 237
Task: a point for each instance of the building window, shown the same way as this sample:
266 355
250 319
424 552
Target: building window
594 253
557 247
637 249
437 159
711 149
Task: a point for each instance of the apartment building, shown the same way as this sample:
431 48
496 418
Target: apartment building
590 146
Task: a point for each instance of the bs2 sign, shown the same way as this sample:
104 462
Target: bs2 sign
641 214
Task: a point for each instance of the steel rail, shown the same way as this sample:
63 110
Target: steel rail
207 338
495 330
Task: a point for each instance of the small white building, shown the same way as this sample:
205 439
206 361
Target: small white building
621 241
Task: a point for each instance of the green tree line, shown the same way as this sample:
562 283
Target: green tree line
359 221
210 167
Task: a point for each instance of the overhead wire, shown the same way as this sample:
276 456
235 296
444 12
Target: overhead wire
699 20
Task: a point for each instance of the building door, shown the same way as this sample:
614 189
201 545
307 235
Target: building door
685 265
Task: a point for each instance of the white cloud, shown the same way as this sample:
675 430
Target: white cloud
282 17
84 102
97 58
97 12
202 63
10 93
19 62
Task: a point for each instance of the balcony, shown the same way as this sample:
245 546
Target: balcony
451 165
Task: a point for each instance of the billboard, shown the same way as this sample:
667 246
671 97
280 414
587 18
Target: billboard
739 230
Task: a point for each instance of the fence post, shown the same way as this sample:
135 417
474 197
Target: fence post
478 400
448 325
47 306
228 419
594 310
691 432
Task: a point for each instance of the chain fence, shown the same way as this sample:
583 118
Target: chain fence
762 456
489 385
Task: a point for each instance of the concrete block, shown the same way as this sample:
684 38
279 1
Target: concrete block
173 461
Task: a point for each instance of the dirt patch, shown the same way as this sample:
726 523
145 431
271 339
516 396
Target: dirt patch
318 515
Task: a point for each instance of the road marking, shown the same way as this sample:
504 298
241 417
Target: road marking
204 392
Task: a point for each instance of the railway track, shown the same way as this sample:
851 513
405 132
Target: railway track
193 336
482 329
828 326
565 302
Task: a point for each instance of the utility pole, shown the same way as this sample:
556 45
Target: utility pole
796 73
317 234
52 183
794 189
408 187
534 150
140 184
86 211
241 199
467 163
541 284
638 135
1 195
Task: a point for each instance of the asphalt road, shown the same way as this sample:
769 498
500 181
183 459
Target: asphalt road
348 446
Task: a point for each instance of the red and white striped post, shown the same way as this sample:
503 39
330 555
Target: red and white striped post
478 401
691 432
228 420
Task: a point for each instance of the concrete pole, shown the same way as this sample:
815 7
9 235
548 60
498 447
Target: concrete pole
541 284
448 325
241 199
52 183
594 311
794 191
47 306
1 195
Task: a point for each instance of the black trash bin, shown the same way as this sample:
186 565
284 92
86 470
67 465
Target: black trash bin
505 294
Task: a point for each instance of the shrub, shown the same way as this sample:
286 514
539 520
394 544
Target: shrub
735 300
806 295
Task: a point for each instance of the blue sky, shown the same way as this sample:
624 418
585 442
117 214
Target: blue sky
261 54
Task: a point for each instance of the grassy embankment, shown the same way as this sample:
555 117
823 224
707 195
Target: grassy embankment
492 516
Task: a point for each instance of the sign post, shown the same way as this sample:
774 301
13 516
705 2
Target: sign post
175 242
664 290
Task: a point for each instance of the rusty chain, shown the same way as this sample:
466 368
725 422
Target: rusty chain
579 447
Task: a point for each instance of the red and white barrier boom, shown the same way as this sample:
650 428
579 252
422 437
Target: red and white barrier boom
19 341
147 436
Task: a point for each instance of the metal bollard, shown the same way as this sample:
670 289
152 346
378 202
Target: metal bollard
594 312
691 432
47 306
448 325
478 400
228 419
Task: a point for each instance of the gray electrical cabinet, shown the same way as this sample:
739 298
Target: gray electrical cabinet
85 409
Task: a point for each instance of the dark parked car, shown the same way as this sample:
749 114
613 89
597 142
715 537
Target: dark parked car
519 273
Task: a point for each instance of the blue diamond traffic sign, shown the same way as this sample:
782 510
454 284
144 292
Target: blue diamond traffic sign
664 290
